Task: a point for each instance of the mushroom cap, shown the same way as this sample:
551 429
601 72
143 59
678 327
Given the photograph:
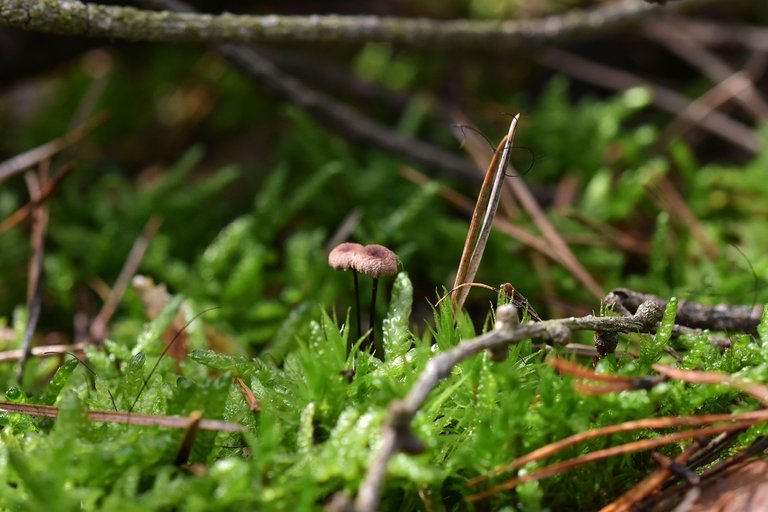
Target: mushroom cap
340 258
375 261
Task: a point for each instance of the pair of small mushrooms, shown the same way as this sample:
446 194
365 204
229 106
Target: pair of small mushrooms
374 261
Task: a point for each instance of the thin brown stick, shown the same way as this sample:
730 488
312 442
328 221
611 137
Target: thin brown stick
128 418
576 370
41 153
35 272
617 238
702 107
98 329
714 33
516 188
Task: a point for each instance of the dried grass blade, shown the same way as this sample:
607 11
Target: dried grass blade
482 218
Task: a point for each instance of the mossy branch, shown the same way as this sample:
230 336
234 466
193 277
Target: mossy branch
72 17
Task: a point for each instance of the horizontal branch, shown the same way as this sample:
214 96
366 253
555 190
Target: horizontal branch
72 17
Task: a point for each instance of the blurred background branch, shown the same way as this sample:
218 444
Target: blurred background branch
94 20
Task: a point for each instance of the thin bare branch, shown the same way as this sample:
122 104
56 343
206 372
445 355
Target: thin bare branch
336 116
720 317
721 33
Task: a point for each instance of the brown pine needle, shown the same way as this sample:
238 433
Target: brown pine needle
613 383
636 446
628 426
563 366
758 391
128 418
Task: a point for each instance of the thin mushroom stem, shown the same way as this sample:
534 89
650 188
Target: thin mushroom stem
378 350
357 310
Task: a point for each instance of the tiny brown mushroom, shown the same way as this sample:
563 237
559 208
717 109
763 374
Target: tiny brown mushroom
375 261
340 258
